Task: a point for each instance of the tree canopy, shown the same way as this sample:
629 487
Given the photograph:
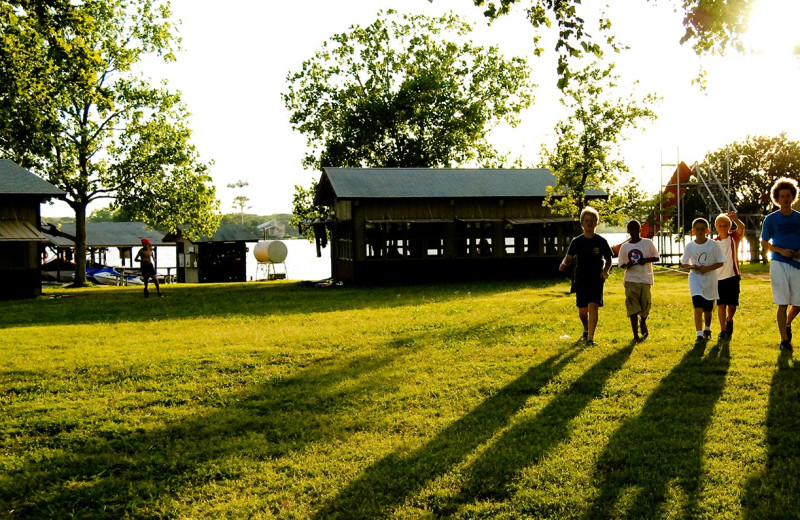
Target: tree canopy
74 110
405 91
711 26
755 163
586 154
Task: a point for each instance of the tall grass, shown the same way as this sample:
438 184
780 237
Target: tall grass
460 400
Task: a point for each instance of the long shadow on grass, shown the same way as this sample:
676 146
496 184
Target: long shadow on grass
775 491
653 465
492 476
385 484
118 304
115 473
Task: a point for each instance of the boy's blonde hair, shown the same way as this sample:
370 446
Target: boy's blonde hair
724 218
588 210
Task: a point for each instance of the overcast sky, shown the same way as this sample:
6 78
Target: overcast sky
235 59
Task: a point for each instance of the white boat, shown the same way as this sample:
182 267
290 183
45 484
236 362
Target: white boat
109 276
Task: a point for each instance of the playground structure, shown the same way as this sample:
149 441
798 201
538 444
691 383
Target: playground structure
715 195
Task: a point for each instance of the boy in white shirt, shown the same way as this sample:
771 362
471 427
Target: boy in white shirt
636 256
703 257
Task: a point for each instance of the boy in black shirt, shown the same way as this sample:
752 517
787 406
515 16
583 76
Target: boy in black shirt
594 263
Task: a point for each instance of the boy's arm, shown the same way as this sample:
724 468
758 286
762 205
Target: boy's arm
138 257
709 268
607 267
566 262
739 224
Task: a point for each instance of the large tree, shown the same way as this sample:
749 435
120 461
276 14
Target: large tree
74 110
405 91
586 154
711 26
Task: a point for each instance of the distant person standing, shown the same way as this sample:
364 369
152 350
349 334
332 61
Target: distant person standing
728 277
780 235
594 263
145 258
636 256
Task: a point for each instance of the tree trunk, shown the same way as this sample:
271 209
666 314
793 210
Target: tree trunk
80 244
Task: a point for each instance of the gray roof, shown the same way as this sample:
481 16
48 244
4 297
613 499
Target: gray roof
111 234
19 231
224 233
357 183
16 180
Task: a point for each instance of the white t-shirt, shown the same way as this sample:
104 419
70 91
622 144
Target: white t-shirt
707 253
644 248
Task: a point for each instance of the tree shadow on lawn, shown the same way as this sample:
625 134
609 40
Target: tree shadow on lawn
120 472
775 491
657 457
121 304
492 476
109 469
386 483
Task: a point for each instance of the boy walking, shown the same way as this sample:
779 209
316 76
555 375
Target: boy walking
594 263
780 234
636 256
703 257
728 277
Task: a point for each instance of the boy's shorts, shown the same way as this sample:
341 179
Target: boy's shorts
729 291
785 281
698 302
586 293
638 299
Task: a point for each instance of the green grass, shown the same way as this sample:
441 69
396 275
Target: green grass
274 400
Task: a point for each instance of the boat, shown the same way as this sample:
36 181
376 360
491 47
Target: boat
110 276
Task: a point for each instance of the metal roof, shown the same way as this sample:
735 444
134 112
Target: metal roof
19 231
111 234
16 180
380 183
224 233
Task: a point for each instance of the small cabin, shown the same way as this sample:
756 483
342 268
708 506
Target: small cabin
410 224
216 259
21 241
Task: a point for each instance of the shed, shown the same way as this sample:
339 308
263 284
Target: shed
219 258
442 223
101 236
272 229
21 241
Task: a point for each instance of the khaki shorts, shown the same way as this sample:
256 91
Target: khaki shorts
638 299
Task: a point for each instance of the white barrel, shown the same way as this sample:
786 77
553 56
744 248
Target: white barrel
270 251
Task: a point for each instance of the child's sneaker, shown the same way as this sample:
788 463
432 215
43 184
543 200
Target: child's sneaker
786 345
699 342
729 328
160 295
707 334
146 293
724 336
585 335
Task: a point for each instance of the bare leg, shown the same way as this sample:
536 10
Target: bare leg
583 314
698 319
781 317
593 316
721 314
158 287
707 316
793 312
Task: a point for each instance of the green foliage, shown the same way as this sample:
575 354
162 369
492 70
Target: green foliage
75 111
755 164
445 401
711 27
586 154
304 210
109 214
405 91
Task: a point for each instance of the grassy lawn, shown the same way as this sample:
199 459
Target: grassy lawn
274 400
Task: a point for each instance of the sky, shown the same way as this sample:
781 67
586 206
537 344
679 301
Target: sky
233 65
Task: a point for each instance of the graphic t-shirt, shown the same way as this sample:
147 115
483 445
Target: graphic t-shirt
783 231
591 254
707 253
630 252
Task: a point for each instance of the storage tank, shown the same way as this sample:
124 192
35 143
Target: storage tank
273 251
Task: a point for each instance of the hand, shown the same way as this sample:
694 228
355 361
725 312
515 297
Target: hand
604 275
562 266
732 215
787 253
